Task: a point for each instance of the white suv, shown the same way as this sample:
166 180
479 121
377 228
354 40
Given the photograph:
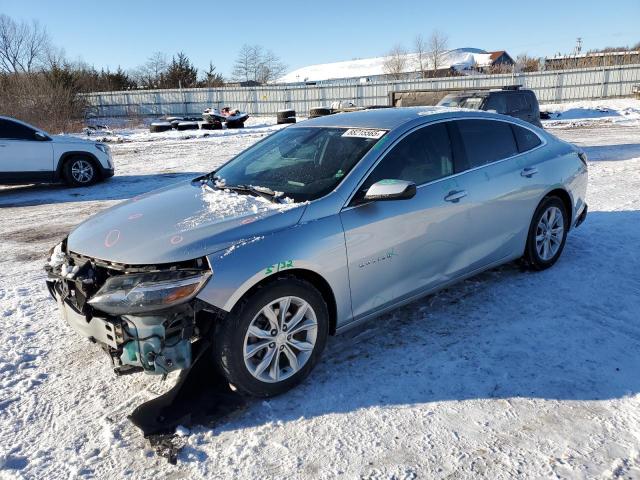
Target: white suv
29 155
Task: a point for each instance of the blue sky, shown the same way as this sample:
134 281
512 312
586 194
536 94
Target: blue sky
124 33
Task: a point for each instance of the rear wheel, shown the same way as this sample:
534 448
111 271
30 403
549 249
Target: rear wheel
80 172
547 234
272 341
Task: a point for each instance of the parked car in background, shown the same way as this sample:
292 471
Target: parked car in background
319 227
31 155
513 101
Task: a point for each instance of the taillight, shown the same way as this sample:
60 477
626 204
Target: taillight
583 158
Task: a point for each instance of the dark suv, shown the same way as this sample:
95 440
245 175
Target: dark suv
512 101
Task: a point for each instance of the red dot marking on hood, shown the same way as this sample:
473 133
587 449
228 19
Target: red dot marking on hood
248 220
135 216
176 239
112 238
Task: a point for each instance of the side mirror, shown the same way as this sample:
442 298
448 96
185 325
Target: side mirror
41 136
389 189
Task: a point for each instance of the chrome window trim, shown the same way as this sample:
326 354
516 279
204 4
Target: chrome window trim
543 142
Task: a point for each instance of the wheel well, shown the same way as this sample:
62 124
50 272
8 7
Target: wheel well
65 157
566 199
314 279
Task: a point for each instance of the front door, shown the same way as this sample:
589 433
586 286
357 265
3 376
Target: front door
398 249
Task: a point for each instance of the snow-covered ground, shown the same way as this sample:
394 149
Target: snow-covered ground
508 375
622 111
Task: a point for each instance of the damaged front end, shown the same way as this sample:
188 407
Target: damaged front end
145 317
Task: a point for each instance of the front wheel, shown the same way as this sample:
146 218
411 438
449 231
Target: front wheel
273 339
547 234
80 172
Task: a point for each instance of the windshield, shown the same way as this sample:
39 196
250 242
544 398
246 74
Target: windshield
302 163
462 102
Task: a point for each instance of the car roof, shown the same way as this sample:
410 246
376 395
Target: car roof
398 117
487 92
382 118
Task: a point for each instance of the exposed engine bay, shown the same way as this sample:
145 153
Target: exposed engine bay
144 317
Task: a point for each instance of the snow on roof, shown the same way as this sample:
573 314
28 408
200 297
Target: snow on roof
459 59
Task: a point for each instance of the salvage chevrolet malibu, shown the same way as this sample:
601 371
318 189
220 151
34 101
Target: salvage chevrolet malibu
311 231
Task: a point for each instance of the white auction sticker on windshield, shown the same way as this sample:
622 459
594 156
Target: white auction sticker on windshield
364 133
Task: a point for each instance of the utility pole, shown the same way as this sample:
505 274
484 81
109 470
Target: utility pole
577 50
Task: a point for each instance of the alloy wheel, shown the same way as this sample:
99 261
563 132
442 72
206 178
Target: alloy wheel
82 171
280 339
549 233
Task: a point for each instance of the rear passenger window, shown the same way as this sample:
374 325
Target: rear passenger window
525 138
498 103
516 103
486 141
15 131
423 156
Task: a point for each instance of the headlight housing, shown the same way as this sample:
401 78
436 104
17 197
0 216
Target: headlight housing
102 147
148 292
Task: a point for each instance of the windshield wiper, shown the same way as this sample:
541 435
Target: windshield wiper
263 192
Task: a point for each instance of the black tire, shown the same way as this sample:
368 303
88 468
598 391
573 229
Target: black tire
229 336
187 126
235 124
319 112
532 257
160 127
282 114
80 171
211 125
286 120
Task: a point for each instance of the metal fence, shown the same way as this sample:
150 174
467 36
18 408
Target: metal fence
549 86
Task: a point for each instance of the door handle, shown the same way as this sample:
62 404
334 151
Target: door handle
455 196
529 172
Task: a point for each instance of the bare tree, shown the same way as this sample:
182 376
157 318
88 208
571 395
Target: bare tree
154 71
395 62
254 63
437 46
271 67
525 63
23 46
421 61
245 67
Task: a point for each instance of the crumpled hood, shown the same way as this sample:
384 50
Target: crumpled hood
177 223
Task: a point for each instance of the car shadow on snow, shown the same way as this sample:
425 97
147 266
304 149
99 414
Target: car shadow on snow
119 187
608 153
567 333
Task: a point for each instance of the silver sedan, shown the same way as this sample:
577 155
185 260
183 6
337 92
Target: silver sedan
315 229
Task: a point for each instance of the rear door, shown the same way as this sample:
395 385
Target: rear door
396 249
501 188
22 155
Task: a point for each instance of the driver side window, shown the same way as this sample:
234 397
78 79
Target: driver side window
423 156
